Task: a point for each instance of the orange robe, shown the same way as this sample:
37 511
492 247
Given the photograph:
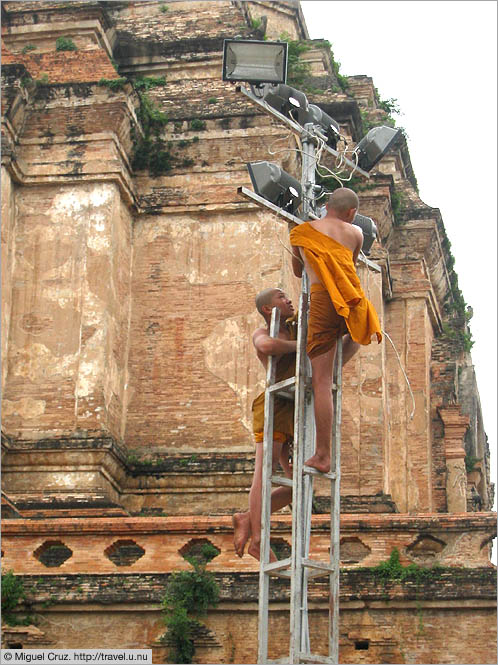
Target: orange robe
334 267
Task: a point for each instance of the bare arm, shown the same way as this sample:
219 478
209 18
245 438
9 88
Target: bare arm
297 262
359 243
272 346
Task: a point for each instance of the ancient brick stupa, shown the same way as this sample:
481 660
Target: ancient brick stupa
130 267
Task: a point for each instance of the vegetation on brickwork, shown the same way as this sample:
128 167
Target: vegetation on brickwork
470 462
150 151
29 47
393 571
336 65
114 84
368 121
455 328
454 332
389 107
298 71
212 100
357 183
148 82
65 44
197 124
189 595
42 80
12 594
201 553
398 203
163 8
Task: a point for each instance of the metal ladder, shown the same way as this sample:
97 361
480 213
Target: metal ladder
299 567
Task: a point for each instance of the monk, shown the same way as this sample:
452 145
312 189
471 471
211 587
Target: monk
248 525
328 249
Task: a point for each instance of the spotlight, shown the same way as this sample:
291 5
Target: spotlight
367 225
375 145
275 185
328 125
254 61
288 101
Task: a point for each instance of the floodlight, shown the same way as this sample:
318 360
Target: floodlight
375 145
254 61
288 101
318 117
275 185
367 225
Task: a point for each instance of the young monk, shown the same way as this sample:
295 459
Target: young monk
328 248
248 525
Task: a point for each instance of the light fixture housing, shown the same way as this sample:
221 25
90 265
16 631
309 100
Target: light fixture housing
288 101
367 225
375 145
275 185
254 61
328 125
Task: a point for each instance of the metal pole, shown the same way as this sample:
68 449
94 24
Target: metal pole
335 508
303 437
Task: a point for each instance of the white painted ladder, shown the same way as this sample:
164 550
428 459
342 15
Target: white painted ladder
299 567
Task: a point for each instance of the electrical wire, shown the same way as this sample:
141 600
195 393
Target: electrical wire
392 343
404 373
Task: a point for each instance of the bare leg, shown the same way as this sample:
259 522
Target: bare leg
280 497
322 371
323 367
349 348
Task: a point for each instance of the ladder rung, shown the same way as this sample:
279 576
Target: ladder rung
313 574
286 394
277 566
314 472
314 658
318 565
282 384
281 573
281 480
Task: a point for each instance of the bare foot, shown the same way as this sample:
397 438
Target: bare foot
254 548
241 532
319 463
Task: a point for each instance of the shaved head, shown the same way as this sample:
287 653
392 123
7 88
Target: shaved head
264 298
342 200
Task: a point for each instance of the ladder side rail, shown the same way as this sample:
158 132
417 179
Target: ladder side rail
264 578
335 508
297 475
308 450
304 444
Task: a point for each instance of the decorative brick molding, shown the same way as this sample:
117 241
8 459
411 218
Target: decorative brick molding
455 426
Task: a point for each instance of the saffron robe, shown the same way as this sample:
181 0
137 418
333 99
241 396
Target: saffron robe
334 267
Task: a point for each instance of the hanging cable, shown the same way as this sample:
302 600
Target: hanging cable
392 343
404 373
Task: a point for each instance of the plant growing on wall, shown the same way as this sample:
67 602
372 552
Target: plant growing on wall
65 44
13 594
189 594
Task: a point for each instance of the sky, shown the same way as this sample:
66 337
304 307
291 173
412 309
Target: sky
438 59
